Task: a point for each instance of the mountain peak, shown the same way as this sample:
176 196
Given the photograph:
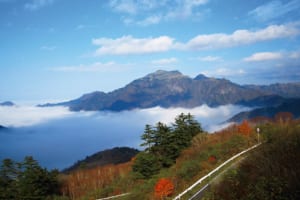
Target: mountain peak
201 77
162 74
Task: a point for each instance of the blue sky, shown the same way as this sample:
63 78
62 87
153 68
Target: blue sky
53 50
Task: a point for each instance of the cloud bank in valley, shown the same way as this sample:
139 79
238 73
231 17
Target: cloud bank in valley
57 137
22 116
17 116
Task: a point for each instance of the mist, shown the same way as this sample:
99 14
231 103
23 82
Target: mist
57 137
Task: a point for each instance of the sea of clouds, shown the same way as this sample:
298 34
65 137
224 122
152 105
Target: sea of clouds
57 137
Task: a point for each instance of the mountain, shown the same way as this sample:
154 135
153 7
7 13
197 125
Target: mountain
263 101
7 103
288 90
110 156
289 105
173 89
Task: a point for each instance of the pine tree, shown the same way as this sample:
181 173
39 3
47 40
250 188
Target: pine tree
36 182
8 176
148 137
185 128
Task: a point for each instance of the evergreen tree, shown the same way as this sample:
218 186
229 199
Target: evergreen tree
146 165
148 137
8 176
164 144
185 128
36 182
27 180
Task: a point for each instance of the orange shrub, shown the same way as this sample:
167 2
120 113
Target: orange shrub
164 188
244 128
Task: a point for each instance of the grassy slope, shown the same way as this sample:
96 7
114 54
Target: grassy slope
271 172
194 162
190 166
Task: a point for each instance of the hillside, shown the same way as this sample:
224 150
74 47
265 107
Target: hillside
274 168
173 89
116 155
288 90
204 153
289 105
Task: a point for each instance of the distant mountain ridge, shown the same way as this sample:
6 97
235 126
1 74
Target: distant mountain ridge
7 103
289 105
116 155
288 90
173 89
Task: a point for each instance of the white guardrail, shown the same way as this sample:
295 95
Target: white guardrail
116 196
213 171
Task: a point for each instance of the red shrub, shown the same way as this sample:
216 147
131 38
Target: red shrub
163 188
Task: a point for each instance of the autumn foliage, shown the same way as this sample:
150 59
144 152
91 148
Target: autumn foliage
244 128
283 117
212 159
164 188
79 183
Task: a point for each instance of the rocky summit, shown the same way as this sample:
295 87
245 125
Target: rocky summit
173 89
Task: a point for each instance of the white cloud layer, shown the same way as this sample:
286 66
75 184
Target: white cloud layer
264 56
17 116
273 56
242 37
38 130
210 118
130 45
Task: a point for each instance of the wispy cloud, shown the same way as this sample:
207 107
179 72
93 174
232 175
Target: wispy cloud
242 37
264 56
165 61
130 45
272 67
210 58
155 19
37 4
141 12
95 67
129 7
224 72
185 9
274 9
80 26
272 56
48 48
